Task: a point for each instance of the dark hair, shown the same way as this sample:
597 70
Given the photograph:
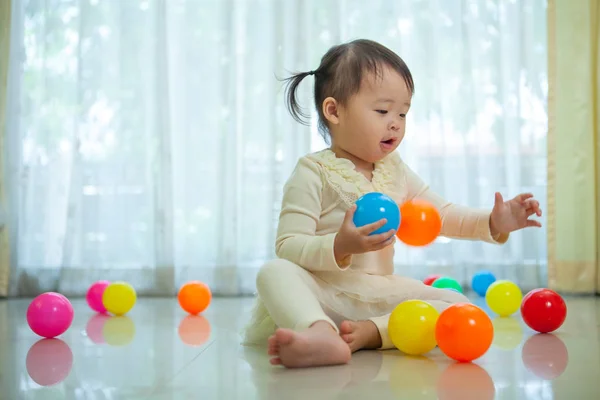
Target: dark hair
340 75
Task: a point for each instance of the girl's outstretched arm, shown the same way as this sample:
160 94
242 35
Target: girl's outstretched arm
458 222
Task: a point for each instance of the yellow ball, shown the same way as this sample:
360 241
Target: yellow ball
412 327
119 298
503 297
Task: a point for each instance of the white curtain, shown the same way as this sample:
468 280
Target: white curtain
148 140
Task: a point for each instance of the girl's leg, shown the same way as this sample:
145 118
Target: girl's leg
306 336
373 333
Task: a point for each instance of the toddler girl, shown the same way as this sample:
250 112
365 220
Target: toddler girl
332 288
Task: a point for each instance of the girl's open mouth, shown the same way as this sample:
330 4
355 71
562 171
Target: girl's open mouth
388 144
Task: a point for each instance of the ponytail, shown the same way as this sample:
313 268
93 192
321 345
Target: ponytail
291 87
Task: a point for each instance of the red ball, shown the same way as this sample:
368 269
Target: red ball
543 310
430 279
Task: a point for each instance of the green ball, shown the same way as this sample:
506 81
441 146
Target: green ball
446 282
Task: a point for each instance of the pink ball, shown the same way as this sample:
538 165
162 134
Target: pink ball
94 296
50 314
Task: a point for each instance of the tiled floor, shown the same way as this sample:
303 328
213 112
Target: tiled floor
157 352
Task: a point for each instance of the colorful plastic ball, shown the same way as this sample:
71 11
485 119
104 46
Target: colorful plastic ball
194 297
445 282
464 332
543 310
373 207
430 279
119 298
421 223
504 297
412 327
481 282
94 296
50 314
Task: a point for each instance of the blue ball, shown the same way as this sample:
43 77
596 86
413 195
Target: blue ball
375 206
481 282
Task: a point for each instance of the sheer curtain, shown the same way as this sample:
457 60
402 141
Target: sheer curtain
4 57
148 139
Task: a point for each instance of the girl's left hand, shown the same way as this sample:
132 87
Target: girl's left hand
514 214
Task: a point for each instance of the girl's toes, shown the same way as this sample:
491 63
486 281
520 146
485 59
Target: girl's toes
275 361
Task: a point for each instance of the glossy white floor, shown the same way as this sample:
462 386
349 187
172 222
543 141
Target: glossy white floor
157 352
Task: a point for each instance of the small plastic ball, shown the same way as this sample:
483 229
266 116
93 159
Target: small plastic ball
94 296
464 332
194 297
445 282
375 206
543 310
412 327
481 282
421 223
119 298
50 314
430 279
503 297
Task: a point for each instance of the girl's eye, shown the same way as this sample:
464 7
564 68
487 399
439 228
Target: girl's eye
381 111
402 115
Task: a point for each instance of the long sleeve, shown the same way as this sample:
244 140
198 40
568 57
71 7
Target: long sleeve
300 212
458 222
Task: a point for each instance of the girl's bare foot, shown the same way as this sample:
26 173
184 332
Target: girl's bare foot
360 335
319 345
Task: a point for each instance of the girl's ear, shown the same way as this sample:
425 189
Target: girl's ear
331 110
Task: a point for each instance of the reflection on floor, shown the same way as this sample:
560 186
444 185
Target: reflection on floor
157 352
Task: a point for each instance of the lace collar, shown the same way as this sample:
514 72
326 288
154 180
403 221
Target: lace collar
351 184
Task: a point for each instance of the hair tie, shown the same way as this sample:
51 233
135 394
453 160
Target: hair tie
311 72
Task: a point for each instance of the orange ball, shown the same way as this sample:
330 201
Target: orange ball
194 297
464 332
420 223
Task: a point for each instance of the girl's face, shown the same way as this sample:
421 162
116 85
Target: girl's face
371 125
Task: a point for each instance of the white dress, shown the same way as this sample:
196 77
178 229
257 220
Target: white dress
316 198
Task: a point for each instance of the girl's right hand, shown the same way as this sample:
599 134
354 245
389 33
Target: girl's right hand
352 240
